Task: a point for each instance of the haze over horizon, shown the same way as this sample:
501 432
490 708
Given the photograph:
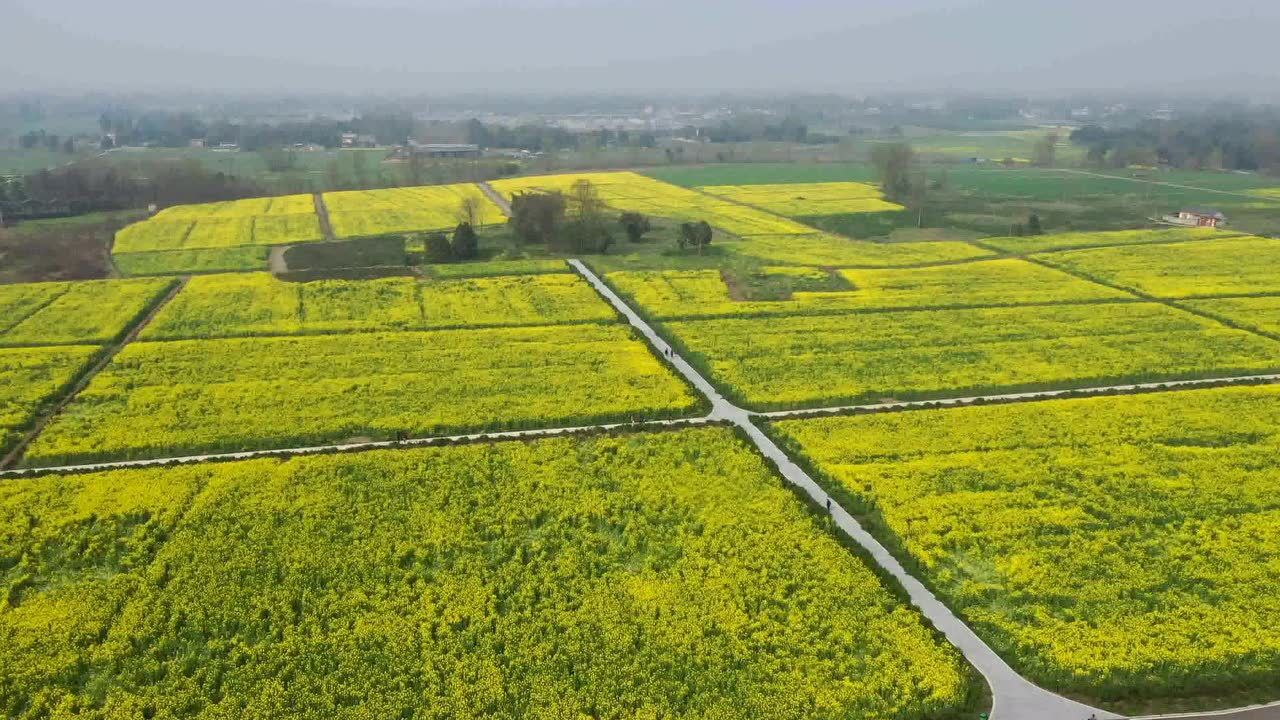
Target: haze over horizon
1160 47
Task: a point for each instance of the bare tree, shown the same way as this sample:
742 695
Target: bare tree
1046 151
469 211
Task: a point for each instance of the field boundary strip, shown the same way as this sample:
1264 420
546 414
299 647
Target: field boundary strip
1232 193
322 213
495 196
107 355
426 441
1005 398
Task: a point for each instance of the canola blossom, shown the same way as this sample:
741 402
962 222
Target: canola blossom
569 577
676 294
259 221
91 312
180 397
369 213
1070 241
34 377
1119 547
246 304
636 193
779 362
1227 266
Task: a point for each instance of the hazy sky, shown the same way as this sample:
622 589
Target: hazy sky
427 46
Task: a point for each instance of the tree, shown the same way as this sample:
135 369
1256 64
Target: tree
695 234
1046 150
278 159
469 209
893 162
635 225
1033 225
466 244
436 248
536 218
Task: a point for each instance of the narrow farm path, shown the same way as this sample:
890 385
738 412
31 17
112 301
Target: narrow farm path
1037 395
496 197
1230 193
275 260
107 356
1014 697
357 446
322 212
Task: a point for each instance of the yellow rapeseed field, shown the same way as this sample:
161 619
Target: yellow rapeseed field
1121 547
671 294
366 213
566 577
247 304
158 399
808 199
637 193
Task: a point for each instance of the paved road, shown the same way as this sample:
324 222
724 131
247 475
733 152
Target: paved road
1014 698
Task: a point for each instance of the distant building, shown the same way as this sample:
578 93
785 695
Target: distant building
357 140
1197 217
445 150
196 142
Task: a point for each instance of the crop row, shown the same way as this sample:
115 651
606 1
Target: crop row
34 377
159 399
1120 547
259 304
253 207
91 312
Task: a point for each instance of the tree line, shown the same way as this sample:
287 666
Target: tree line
1243 140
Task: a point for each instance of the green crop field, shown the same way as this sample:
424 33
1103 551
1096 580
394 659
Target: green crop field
1118 547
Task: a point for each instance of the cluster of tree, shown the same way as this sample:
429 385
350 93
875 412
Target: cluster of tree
695 234
464 245
573 223
749 128
1031 227
167 129
1242 140
544 138
49 141
98 185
